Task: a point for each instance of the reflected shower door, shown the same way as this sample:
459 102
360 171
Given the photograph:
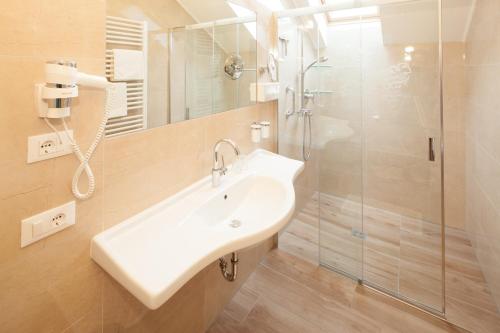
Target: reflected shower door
199 72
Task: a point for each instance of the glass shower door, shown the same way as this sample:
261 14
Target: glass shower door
402 214
376 143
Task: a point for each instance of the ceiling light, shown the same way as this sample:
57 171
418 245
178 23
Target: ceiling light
409 49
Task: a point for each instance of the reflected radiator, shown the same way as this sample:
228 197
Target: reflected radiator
128 34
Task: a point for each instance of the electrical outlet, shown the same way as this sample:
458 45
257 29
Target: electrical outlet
47 223
58 220
46 146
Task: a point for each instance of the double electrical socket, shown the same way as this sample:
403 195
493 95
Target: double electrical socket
50 145
47 223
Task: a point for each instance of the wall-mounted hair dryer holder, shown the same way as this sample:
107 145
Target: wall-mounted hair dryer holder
53 98
59 97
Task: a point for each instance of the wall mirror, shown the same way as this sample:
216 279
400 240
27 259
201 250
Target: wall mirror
179 60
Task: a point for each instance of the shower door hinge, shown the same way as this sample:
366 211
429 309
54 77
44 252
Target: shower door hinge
358 234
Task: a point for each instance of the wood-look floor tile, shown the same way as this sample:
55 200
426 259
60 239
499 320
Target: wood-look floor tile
396 316
321 309
318 278
299 246
305 231
401 254
416 270
295 295
241 304
268 316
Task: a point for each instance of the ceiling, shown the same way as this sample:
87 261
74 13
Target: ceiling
213 10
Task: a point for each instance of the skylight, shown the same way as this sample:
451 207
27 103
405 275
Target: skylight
346 15
245 12
354 13
272 5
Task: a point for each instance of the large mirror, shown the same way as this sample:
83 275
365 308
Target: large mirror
178 60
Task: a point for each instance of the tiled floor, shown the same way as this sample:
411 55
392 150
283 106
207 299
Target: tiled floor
400 254
287 294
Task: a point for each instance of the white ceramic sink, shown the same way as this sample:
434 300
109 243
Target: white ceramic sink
154 253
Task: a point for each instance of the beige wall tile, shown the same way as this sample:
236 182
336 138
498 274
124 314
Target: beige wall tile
482 153
52 28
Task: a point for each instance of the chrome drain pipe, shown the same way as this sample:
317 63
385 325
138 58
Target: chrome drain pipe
229 276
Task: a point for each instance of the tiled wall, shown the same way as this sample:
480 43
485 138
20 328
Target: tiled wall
53 285
483 139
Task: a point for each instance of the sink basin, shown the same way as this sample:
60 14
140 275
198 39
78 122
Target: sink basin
250 200
154 253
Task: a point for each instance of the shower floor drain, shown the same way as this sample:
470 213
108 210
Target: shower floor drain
235 223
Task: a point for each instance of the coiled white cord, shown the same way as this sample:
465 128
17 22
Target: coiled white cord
85 159
52 127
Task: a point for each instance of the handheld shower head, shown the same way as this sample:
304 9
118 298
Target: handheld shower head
320 61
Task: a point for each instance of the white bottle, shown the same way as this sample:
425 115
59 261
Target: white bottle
266 129
256 131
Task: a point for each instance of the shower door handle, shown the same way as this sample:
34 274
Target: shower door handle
290 112
432 155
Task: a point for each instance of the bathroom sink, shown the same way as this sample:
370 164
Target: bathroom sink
154 253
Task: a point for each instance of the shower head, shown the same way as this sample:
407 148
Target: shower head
320 60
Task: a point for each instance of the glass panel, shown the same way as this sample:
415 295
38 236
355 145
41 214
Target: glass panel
402 188
338 136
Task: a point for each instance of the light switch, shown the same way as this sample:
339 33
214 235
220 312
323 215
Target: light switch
39 228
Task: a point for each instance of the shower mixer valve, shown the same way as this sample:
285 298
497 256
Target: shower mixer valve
309 96
305 112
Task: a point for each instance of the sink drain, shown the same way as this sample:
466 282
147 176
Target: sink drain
235 223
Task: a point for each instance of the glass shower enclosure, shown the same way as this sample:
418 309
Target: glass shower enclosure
361 102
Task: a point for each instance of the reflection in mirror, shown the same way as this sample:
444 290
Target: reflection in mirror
175 67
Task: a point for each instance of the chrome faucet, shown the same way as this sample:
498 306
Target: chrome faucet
219 168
